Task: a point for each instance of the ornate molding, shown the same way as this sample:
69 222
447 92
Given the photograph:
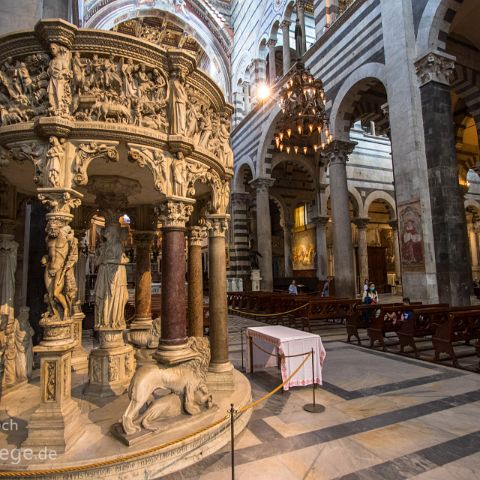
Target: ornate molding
176 211
33 152
321 221
217 225
157 162
338 151
436 67
87 153
60 200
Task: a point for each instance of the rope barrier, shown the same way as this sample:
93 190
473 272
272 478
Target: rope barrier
279 355
276 389
253 314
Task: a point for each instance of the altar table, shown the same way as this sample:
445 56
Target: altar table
284 342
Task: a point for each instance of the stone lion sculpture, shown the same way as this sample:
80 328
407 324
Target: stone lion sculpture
186 383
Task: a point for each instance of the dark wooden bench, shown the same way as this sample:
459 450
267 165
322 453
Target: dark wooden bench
461 325
380 322
327 309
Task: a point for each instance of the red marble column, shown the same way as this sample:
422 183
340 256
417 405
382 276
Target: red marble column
172 347
195 281
143 278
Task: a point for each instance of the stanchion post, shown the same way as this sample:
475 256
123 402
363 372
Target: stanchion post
313 407
232 438
241 343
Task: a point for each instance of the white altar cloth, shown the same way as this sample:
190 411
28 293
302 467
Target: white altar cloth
286 341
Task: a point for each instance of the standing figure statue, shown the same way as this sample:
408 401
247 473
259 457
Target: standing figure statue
60 242
59 93
111 293
178 103
8 266
23 338
179 175
225 152
54 160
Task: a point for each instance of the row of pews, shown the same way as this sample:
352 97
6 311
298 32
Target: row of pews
441 324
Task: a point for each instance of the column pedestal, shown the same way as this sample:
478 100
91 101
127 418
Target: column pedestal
56 423
79 354
111 366
220 375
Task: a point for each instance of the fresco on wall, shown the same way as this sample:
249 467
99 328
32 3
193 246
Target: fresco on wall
303 250
411 237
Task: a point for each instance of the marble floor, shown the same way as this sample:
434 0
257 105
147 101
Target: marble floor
387 417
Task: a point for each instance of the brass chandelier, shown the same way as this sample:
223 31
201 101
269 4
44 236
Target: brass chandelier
304 124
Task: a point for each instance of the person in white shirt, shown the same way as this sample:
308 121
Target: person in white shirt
292 289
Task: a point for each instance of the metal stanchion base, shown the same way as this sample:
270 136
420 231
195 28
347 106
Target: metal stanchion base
317 408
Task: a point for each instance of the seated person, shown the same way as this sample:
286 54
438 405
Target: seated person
292 289
400 316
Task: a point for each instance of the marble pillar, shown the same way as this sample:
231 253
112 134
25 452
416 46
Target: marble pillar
195 281
337 154
221 369
285 26
301 18
172 348
436 72
264 231
472 235
56 423
142 324
272 67
322 251
362 224
287 246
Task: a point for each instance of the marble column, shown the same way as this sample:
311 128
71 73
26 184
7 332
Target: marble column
195 281
287 246
396 246
246 97
322 251
264 231
362 224
337 154
221 369
435 73
56 423
301 18
272 67
173 348
285 26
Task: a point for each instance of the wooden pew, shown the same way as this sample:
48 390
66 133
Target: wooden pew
328 309
461 325
380 324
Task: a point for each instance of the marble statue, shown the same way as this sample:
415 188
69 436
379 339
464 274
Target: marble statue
186 380
225 150
59 94
178 103
111 294
179 175
54 160
8 266
60 260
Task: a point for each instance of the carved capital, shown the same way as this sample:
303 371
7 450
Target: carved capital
196 235
271 43
321 221
143 239
262 184
86 153
60 200
217 225
56 31
361 222
176 211
285 24
338 151
436 67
